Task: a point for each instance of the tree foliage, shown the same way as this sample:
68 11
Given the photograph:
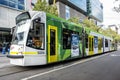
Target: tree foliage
42 5
90 24
74 20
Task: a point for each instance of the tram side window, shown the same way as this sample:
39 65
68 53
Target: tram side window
92 44
89 44
110 43
36 36
106 43
99 44
66 39
86 42
95 42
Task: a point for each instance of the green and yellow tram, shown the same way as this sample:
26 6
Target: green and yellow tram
41 38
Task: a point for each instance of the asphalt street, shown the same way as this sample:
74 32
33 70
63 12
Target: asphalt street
101 67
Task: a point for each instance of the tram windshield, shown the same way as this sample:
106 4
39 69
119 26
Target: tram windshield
17 37
22 17
19 32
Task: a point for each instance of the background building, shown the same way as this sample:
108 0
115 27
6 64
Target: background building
92 9
71 8
9 9
95 10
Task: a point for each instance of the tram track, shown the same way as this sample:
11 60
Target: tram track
12 70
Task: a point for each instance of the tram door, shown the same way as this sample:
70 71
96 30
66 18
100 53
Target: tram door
52 44
91 45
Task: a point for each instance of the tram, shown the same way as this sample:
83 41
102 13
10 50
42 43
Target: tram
41 38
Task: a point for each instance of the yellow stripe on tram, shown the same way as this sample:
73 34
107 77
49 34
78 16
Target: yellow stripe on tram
31 53
13 53
25 53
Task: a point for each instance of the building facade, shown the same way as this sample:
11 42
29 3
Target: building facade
92 9
96 10
66 11
71 8
9 9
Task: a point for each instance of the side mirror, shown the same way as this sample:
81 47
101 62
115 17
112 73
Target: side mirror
37 20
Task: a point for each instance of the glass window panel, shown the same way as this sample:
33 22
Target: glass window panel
67 13
4 2
12 4
21 7
80 4
21 2
13 0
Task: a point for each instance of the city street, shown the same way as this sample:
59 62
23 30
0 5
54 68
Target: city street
101 67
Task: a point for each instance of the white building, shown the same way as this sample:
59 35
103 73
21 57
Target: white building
9 9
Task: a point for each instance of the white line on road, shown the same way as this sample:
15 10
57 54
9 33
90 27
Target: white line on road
50 71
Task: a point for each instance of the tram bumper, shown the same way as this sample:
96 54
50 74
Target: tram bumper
15 56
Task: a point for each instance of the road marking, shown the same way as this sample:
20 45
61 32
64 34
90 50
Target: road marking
50 71
114 55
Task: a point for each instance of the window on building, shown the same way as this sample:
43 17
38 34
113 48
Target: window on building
12 4
21 4
16 4
67 14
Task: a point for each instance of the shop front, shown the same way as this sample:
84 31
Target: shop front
5 37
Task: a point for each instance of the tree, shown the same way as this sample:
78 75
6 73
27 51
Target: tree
42 5
87 23
74 20
116 7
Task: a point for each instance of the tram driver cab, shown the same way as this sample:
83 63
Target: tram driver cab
29 39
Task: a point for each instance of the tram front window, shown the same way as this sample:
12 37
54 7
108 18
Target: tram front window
22 17
36 36
18 37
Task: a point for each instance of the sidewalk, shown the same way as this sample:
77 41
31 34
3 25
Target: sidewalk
2 55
